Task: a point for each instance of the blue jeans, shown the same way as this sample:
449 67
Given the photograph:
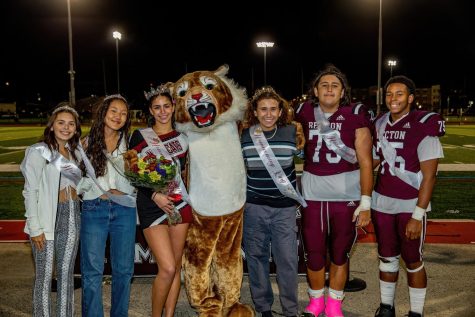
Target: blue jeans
100 219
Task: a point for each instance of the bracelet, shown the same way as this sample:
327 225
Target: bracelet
153 195
418 213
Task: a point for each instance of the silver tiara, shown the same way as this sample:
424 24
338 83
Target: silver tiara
263 90
160 90
116 96
66 109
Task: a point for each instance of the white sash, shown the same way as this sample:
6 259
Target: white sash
158 149
273 166
389 153
332 138
124 200
67 168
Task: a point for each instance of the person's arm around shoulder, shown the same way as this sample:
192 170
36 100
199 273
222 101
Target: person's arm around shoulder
299 135
32 169
85 184
363 147
135 139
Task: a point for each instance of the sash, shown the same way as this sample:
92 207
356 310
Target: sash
390 155
273 166
158 149
67 168
332 138
124 200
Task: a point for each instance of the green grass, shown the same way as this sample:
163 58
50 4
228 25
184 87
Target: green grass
14 140
454 194
453 197
467 130
11 199
459 143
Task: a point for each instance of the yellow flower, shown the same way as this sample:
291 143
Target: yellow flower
141 164
154 176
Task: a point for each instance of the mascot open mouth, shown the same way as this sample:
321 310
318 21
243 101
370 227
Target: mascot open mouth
202 114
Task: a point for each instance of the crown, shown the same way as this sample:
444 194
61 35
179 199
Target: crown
66 108
116 96
263 90
160 90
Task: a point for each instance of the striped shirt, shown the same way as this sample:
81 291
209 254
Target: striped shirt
261 189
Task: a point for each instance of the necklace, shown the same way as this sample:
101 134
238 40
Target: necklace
273 134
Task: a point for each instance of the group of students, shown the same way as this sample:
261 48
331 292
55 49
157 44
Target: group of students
63 167
343 145
337 197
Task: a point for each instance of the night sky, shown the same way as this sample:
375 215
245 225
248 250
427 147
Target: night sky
432 40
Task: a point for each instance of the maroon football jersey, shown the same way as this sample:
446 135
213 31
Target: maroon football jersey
345 120
405 135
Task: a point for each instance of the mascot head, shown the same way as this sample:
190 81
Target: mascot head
206 99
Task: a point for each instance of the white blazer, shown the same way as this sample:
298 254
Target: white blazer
41 190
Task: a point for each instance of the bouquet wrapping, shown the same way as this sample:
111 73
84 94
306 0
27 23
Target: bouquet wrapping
161 175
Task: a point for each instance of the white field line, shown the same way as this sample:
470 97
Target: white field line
451 146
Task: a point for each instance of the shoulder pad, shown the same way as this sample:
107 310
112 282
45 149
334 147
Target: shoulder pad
356 108
426 116
360 108
431 122
299 107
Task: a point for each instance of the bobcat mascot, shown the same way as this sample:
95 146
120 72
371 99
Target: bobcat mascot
208 106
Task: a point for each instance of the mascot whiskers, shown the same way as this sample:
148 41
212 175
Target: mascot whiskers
208 107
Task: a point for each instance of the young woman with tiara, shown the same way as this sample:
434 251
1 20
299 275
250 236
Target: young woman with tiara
165 240
51 173
108 209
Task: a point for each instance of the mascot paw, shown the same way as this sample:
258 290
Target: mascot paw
241 310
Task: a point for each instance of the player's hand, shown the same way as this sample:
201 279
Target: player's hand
413 229
362 214
39 241
363 219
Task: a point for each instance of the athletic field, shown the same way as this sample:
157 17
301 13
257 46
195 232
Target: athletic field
453 198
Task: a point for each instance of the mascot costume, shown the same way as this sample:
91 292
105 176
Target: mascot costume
208 107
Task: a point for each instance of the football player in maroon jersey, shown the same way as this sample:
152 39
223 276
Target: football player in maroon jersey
407 150
337 182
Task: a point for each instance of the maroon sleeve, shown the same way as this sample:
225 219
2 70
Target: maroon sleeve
431 123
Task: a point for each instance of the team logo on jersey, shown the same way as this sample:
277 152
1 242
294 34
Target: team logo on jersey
351 204
406 126
340 118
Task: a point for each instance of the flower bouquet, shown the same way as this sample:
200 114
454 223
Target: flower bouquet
159 174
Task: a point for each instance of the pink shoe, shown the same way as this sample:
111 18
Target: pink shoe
315 307
333 308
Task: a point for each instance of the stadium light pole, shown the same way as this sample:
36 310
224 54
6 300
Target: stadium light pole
391 63
265 45
72 91
117 36
379 94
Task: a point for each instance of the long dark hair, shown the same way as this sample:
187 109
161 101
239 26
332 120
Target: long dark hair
166 94
48 134
96 143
